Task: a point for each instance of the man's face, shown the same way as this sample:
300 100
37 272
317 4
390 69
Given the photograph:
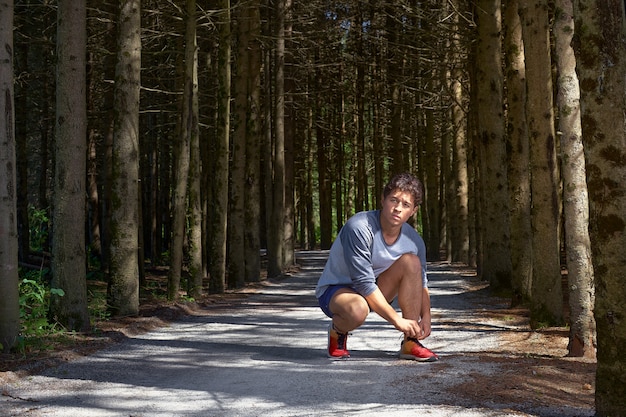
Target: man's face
397 208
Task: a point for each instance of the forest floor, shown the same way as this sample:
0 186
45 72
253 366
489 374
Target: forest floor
491 358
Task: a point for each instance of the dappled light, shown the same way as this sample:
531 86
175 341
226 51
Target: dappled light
263 352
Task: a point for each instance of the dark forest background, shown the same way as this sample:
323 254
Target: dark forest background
207 137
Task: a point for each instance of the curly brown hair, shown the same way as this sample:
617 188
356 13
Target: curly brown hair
406 183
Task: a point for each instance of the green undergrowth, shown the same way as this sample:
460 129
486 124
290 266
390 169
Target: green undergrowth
39 333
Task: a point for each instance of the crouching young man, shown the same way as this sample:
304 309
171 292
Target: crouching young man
377 257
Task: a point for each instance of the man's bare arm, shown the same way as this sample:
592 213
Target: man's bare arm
379 304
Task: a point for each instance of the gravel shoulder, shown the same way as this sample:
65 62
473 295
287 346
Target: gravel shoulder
264 355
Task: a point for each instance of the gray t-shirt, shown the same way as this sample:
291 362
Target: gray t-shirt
359 254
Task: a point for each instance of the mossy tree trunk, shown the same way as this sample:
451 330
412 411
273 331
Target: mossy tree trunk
123 289
9 302
547 296
494 210
582 335
219 201
519 157
601 66
69 272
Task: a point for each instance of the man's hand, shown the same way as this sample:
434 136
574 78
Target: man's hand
425 327
410 328
425 322
381 306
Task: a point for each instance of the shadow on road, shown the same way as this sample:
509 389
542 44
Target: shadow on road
265 356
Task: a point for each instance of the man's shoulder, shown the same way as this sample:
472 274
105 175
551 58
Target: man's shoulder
363 218
410 232
408 229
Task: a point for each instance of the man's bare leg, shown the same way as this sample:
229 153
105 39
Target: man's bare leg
349 310
404 280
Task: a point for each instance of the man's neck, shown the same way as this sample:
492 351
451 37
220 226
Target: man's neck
390 232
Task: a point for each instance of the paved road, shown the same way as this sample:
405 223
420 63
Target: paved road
266 357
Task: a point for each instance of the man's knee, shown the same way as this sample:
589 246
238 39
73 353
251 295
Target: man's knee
359 311
410 263
351 306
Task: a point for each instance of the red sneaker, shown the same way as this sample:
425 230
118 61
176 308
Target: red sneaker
337 344
413 350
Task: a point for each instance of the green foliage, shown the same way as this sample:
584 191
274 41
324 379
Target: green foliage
187 298
38 222
34 299
165 258
98 307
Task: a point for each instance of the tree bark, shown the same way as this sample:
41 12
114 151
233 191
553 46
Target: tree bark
359 154
123 289
601 66
9 279
68 250
236 215
194 197
220 160
310 217
432 213
182 155
460 231
325 187
252 191
276 260
394 66
519 157
575 197
546 299
495 227
289 131
21 99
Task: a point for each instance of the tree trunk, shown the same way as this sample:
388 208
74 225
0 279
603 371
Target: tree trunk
446 199
123 290
432 218
106 126
496 255
601 66
276 261
268 150
196 269
289 131
68 250
310 217
95 243
21 98
359 155
9 279
236 216
460 232
252 191
325 188
220 159
394 74
182 157
518 143
337 125
575 198
546 299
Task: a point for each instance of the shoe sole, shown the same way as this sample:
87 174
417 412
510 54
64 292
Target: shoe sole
415 358
338 358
